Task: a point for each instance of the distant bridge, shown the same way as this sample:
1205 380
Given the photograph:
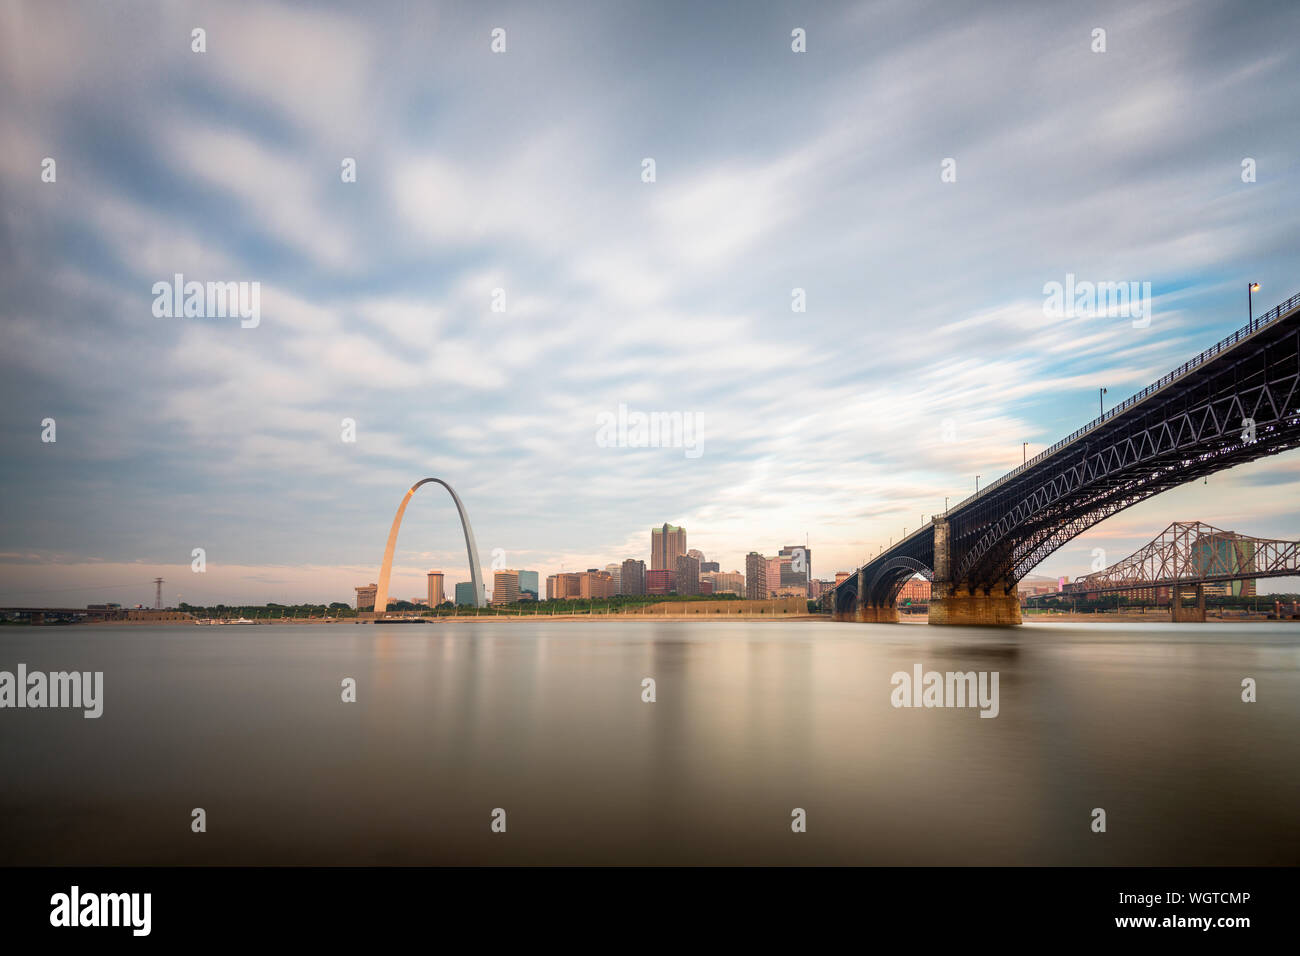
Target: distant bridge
1185 557
1233 403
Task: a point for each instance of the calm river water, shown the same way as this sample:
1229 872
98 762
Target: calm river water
546 721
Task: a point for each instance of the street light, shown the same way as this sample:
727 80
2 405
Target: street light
977 484
945 504
1250 310
1024 453
1101 405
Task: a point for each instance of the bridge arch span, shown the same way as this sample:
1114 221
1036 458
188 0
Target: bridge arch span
471 547
888 581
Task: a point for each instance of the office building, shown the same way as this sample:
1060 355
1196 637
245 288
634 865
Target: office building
659 582
616 572
724 582
666 545
465 593
436 593
796 569
528 585
366 596
755 576
687 577
563 586
632 578
505 587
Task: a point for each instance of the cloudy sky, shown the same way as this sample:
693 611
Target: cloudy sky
924 356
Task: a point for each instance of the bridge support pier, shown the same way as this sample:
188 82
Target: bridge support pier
1187 615
994 606
875 614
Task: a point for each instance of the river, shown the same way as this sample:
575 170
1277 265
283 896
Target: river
751 722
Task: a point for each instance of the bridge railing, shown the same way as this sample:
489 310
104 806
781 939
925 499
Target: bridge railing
1247 330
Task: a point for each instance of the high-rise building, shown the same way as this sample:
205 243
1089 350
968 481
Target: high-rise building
528 584
687 577
755 577
616 572
436 593
774 566
633 576
842 576
366 596
465 593
709 566
659 582
505 587
797 569
666 544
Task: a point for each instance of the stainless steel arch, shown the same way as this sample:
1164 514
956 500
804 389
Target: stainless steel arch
381 595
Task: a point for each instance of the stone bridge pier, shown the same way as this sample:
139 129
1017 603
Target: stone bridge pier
959 602
1187 615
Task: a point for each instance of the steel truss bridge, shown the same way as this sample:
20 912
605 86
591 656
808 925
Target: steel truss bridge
1193 553
1235 402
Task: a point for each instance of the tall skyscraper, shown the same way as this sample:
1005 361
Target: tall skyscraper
709 566
755 576
666 544
436 593
687 576
528 584
633 576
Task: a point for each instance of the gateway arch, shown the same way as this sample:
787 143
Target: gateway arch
381 595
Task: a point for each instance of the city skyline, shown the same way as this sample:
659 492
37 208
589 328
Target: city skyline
842 422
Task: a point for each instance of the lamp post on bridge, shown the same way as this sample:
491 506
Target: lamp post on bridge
1250 308
1024 453
1101 404
977 484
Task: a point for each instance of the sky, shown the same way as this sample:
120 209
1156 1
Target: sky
501 277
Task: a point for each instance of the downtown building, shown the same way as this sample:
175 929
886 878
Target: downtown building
366 595
632 577
796 567
724 582
505 587
755 577
528 586
666 545
465 593
687 574
659 582
436 593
